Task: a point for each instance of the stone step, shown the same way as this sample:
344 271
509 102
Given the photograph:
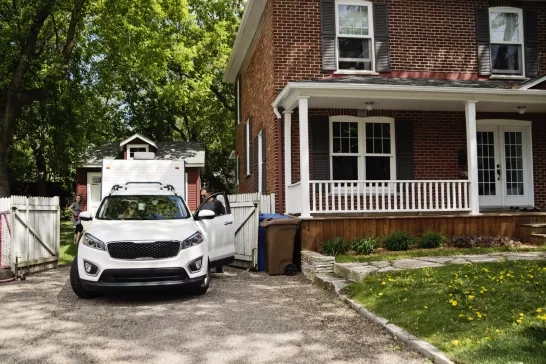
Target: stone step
536 226
354 272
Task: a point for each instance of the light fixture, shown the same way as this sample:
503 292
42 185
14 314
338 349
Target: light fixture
369 105
521 110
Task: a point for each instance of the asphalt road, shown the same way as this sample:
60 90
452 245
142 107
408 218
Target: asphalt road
245 317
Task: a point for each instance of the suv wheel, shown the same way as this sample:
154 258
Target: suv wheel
76 284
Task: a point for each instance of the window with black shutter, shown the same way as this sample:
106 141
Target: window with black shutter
355 36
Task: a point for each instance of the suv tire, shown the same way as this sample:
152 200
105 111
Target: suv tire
76 283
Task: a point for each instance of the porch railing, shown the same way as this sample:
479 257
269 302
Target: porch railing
293 198
383 196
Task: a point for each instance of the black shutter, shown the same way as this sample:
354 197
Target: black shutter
404 149
483 39
239 96
250 154
264 191
530 31
320 147
245 149
381 37
328 27
256 164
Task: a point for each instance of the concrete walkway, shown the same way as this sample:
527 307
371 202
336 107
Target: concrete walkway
356 272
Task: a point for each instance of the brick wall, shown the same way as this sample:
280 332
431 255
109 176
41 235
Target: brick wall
427 38
257 97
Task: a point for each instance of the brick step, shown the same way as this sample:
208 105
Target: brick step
536 226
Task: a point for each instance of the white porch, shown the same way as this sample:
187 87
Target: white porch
306 196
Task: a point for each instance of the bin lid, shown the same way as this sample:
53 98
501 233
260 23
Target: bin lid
263 217
288 221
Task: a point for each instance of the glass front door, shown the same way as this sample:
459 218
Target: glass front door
504 166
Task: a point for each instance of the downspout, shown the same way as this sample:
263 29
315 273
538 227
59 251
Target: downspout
280 168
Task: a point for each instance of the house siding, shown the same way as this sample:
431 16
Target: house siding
194 187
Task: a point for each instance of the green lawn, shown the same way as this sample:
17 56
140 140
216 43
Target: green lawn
476 313
68 249
432 253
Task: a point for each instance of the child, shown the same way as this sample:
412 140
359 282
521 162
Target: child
76 208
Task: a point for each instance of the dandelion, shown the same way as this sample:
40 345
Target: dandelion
497 331
426 306
453 303
470 297
381 294
383 283
455 342
479 315
521 314
539 310
518 321
461 315
470 318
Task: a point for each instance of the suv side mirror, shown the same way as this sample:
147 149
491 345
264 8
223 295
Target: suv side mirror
206 214
86 216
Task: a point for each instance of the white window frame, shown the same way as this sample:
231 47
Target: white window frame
369 36
361 155
238 93
130 146
248 151
521 43
237 170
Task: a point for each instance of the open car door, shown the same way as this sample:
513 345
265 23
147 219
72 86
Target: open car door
219 229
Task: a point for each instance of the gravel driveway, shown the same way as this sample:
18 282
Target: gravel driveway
245 317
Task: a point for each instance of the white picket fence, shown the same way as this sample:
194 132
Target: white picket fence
34 237
267 202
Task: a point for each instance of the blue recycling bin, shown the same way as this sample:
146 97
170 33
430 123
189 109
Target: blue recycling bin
261 237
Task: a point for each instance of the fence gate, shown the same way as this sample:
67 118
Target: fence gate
35 233
246 209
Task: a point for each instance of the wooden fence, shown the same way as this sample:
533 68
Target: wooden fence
34 232
267 202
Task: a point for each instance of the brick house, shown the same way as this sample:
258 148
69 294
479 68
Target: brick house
89 174
356 112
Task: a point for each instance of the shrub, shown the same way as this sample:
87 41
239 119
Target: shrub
335 246
398 240
363 246
431 240
470 241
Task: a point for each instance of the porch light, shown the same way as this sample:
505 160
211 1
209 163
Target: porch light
369 105
521 110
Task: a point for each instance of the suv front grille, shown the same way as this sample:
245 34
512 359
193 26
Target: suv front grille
149 250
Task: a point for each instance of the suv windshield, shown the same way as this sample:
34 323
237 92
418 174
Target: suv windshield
142 207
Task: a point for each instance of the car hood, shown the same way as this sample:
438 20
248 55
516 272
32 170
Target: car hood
134 230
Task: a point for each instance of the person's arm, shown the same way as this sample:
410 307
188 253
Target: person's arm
70 208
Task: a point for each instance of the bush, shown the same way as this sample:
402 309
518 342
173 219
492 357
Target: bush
363 246
470 241
335 246
398 240
431 240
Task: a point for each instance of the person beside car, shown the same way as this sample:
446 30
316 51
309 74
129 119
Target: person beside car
76 208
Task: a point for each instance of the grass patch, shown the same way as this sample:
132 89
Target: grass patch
433 253
476 313
68 248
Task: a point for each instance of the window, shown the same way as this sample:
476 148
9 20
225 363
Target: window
362 148
506 34
354 35
247 149
132 149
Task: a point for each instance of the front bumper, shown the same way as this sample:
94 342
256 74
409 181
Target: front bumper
141 278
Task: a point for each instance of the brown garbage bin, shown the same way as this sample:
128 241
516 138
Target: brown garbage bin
279 245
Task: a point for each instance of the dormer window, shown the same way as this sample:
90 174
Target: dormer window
132 149
506 32
354 35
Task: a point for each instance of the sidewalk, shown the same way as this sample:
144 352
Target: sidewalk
356 272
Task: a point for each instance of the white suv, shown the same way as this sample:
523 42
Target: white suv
143 236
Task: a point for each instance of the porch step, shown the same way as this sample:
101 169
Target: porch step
534 225
536 235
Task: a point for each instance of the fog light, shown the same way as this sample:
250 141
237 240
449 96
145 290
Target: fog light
196 265
90 268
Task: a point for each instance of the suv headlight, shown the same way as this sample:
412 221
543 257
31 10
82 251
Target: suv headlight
93 242
193 240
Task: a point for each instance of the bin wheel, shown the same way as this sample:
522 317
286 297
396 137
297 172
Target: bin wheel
290 269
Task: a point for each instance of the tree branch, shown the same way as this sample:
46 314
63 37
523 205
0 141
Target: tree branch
27 96
76 17
221 97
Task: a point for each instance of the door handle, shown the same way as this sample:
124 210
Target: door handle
228 223
498 172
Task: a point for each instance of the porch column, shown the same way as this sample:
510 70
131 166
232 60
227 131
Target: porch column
472 157
303 103
287 153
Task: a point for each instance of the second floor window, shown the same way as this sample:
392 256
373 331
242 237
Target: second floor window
354 35
134 149
506 41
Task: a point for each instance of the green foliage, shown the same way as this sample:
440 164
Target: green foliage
334 246
398 240
363 246
431 239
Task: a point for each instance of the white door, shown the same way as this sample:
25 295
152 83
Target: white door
504 165
220 232
94 183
